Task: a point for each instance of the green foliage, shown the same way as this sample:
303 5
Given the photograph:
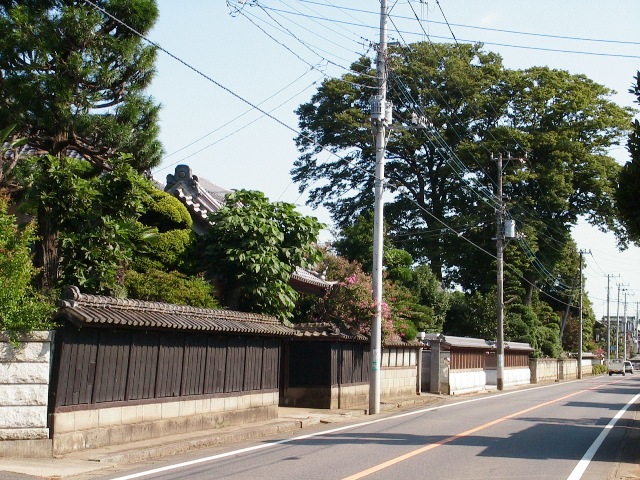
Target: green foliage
173 243
72 78
165 212
95 217
629 179
255 245
22 309
349 304
172 287
472 315
599 369
563 123
170 247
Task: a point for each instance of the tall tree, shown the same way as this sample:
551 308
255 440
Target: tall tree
96 217
627 195
72 80
469 107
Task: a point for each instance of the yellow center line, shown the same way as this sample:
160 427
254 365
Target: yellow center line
452 438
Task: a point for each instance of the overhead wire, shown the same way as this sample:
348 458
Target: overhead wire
269 115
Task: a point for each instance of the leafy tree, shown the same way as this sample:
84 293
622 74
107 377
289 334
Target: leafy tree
471 315
72 83
629 178
96 217
164 269
22 309
254 246
559 124
73 78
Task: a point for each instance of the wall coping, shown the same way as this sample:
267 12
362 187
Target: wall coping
36 336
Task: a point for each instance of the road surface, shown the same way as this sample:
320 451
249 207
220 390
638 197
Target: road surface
570 430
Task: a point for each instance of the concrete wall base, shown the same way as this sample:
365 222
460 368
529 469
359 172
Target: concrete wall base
26 448
67 442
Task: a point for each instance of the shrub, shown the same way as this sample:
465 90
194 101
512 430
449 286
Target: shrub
173 287
22 309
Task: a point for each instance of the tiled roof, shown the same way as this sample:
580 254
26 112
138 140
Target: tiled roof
466 342
95 310
325 330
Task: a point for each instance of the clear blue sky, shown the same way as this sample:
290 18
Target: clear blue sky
273 53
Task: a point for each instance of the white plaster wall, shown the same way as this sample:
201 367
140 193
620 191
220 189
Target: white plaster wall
466 381
24 386
517 376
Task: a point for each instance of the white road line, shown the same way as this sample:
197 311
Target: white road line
588 456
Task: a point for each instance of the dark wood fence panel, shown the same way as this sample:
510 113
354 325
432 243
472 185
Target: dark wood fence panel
143 365
353 363
171 350
216 364
112 366
194 365
270 364
236 351
347 364
93 366
253 364
75 382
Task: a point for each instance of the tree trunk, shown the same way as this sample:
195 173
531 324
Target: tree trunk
46 256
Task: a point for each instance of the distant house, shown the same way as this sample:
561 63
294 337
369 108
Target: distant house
202 197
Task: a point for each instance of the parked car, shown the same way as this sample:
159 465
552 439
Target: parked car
616 365
628 368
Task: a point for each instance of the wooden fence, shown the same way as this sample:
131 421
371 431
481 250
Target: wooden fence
96 366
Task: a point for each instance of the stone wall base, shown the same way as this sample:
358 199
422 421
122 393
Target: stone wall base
67 442
23 433
26 448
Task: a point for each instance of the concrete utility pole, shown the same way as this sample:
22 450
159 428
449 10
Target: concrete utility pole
618 323
624 319
582 252
500 277
380 118
608 324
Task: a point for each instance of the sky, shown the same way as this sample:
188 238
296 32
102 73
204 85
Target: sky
231 74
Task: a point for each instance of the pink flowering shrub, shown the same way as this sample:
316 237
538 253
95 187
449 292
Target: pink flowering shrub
349 304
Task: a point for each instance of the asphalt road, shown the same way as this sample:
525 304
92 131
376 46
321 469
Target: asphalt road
562 431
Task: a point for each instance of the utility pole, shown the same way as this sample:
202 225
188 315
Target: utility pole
500 278
624 335
380 119
608 324
618 323
582 252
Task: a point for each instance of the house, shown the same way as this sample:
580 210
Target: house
202 197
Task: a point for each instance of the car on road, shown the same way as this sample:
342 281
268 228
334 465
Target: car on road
628 368
616 365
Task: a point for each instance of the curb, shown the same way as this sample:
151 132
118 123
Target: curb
210 439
